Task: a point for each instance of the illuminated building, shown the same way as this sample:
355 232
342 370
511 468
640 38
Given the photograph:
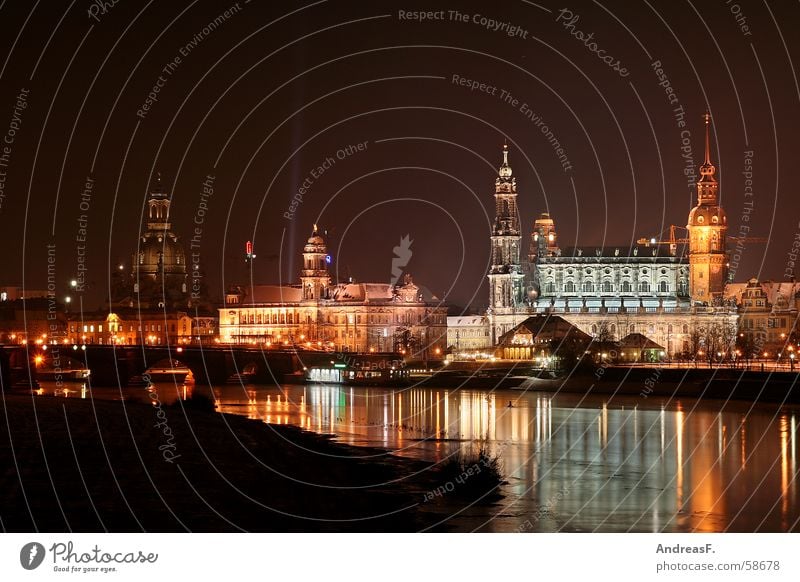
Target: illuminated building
133 326
158 277
468 332
768 319
539 336
668 292
350 317
506 285
708 227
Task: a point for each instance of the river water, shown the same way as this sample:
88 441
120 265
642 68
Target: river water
572 462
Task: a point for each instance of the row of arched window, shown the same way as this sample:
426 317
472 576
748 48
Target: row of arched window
607 287
273 317
632 329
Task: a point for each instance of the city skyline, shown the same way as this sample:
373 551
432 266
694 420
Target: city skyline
402 137
345 266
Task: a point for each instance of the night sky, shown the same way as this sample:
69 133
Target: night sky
263 97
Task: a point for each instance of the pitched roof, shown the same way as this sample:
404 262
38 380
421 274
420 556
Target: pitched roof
639 341
544 327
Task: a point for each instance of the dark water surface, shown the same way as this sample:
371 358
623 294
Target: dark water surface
572 463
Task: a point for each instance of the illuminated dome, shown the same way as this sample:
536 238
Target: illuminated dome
315 244
707 215
159 250
159 265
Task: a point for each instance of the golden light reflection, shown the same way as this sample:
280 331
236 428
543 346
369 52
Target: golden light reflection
604 416
679 452
438 424
783 425
743 441
416 421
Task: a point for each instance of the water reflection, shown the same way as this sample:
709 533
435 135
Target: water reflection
573 463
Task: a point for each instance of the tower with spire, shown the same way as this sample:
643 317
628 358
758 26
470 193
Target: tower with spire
314 277
506 287
707 227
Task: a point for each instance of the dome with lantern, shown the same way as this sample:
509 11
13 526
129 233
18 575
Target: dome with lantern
160 259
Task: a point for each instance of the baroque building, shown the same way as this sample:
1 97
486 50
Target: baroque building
346 317
768 320
708 229
506 286
158 277
672 294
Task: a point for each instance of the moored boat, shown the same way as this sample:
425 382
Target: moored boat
174 373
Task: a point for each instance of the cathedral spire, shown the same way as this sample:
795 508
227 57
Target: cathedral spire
156 187
707 170
505 169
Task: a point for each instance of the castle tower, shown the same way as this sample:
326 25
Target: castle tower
544 243
544 240
708 227
506 289
314 276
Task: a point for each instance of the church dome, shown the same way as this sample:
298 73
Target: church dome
315 243
158 249
159 274
702 215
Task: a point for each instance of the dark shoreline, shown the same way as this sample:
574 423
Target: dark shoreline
723 383
699 383
108 462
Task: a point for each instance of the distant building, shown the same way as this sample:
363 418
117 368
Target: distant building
14 292
541 337
467 333
351 317
636 347
132 326
768 313
31 320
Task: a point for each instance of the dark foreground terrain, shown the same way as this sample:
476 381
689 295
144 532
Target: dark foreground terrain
90 465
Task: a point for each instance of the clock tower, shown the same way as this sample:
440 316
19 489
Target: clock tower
708 228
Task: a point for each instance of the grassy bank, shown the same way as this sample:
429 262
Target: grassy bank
83 465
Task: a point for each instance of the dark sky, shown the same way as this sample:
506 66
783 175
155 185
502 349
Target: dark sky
275 89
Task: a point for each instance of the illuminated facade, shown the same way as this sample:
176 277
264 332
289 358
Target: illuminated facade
506 285
468 332
350 317
768 315
131 326
665 292
708 228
